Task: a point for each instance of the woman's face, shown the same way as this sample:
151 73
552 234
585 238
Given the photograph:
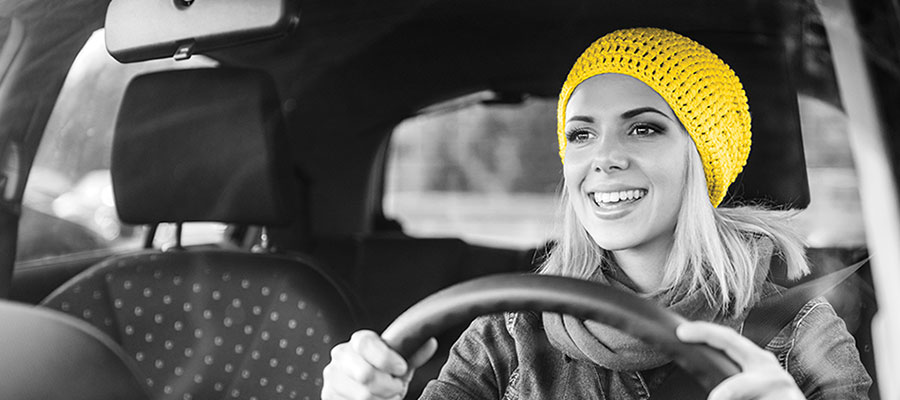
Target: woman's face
625 163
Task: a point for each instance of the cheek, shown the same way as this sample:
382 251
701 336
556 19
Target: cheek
673 173
666 169
573 177
671 178
573 174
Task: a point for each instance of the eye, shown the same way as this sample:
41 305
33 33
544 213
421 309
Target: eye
645 130
578 135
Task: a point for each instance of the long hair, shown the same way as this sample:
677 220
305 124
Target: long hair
716 251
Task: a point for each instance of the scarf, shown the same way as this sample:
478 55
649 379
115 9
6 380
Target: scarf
618 351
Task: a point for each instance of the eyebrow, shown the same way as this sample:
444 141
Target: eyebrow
639 111
625 115
581 118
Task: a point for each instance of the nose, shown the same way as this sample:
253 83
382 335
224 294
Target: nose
610 154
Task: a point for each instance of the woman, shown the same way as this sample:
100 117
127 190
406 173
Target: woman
652 129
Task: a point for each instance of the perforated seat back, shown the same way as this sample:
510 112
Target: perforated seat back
215 324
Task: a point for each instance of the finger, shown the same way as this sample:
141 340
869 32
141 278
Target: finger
349 364
421 356
738 387
342 387
331 388
761 385
738 348
377 353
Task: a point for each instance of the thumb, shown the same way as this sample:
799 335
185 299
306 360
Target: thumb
424 354
419 358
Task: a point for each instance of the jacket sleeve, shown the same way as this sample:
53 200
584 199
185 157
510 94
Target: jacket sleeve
479 364
822 357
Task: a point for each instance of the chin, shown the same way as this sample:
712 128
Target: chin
611 241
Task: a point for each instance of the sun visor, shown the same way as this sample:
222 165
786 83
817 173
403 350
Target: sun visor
138 30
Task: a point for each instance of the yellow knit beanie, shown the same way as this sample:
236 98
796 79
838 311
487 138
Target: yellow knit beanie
701 89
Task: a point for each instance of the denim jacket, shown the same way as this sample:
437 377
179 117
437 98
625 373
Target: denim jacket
508 356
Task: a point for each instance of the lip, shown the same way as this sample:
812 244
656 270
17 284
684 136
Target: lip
613 188
617 210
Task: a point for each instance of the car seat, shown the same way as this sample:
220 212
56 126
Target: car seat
46 355
205 321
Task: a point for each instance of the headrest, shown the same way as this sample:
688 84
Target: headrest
202 145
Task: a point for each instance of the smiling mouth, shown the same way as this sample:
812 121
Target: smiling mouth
608 199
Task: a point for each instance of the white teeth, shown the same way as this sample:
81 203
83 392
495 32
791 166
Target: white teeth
615 197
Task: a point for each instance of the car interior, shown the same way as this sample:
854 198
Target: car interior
284 135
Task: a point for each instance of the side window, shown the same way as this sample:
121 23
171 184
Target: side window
487 173
68 206
834 216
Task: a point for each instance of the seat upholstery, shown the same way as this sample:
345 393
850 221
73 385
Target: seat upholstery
208 322
214 324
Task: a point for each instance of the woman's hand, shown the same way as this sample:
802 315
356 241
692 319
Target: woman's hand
366 368
761 376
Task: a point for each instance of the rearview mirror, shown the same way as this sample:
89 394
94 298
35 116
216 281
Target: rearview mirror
138 30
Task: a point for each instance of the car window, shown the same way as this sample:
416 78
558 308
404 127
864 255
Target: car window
834 215
68 206
481 172
489 173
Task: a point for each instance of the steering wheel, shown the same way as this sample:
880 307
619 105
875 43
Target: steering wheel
579 298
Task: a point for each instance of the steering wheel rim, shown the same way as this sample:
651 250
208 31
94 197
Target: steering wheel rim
579 298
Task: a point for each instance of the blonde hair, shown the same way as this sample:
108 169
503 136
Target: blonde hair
716 250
